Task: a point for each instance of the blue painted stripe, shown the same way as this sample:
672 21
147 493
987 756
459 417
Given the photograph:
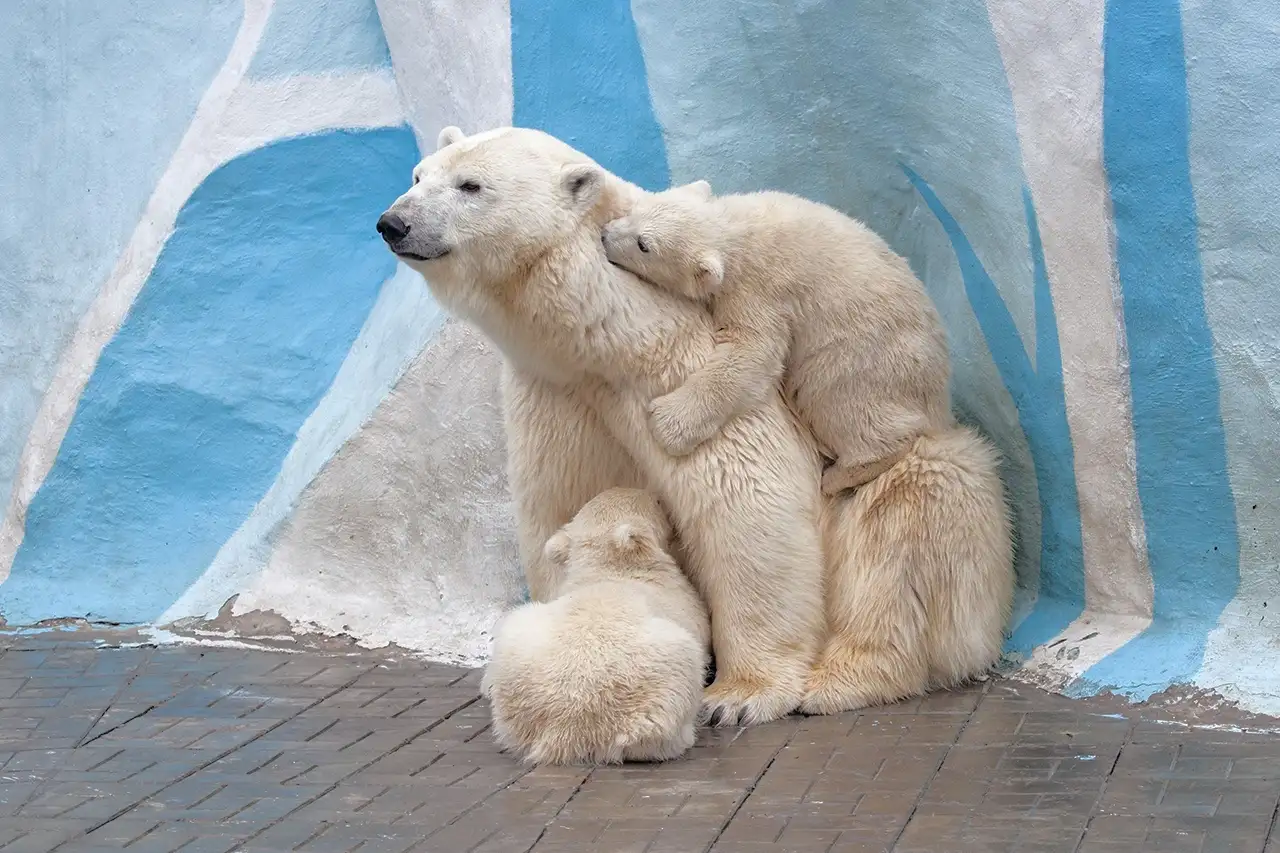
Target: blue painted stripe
112 88
1042 411
252 306
578 74
1187 504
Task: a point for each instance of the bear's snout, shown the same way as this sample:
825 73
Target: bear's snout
392 228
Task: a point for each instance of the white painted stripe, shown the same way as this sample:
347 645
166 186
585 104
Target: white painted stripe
452 61
404 318
1052 54
262 111
234 117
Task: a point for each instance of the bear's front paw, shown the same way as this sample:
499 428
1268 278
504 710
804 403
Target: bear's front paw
848 678
675 423
831 693
745 702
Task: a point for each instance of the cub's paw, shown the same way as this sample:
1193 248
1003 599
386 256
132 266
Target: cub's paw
839 477
676 423
744 702
835 480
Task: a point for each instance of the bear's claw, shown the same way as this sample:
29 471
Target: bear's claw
731 703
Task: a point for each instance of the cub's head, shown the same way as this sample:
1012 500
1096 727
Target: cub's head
667 239
482 204
616 531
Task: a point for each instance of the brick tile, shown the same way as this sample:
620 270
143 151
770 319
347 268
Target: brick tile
156 750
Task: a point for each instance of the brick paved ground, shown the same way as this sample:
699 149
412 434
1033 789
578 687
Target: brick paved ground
207 750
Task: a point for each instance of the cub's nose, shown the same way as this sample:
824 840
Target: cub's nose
392 228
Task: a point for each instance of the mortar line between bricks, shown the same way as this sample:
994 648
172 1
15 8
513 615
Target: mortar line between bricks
427 765
334 786
469 809
324 827
1271 830
128 682
924 789
397 714
97 764
206 764
142 713
376 698
146 662
750 789
417 847
546 826
1102 791
144 834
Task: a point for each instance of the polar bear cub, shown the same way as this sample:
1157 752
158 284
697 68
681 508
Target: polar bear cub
612 668
794 286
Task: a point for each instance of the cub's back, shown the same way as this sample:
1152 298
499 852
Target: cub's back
812 250
570 676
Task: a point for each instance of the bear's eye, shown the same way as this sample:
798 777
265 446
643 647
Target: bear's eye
469 187
415 180
642 244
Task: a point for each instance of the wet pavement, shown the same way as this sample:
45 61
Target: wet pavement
110 743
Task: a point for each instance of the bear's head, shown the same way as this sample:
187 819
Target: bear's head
483 206
670 239
617 533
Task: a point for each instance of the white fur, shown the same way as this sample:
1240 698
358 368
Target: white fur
793 285
588 345
920 578
522 259
611 669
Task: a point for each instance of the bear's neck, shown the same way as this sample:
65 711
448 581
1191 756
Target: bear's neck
610 323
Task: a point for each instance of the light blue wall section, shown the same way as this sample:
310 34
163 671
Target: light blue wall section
95 97
310 37
1234 141
252 307
832 101
1038 393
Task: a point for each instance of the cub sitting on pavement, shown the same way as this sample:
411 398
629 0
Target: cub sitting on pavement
612 668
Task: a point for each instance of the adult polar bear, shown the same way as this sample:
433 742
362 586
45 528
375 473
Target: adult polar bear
505 227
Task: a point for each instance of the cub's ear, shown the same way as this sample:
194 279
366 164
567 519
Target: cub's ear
627 538
448 136
583 182
701 190
557 548
709 273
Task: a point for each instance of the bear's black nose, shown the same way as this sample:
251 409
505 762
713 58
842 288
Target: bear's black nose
392 228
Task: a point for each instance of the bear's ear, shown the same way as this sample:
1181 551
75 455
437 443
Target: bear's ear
701 190
583 182
448 136
627 538
557 548
709 273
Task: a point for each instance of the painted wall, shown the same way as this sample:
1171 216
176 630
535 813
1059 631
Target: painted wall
202 414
